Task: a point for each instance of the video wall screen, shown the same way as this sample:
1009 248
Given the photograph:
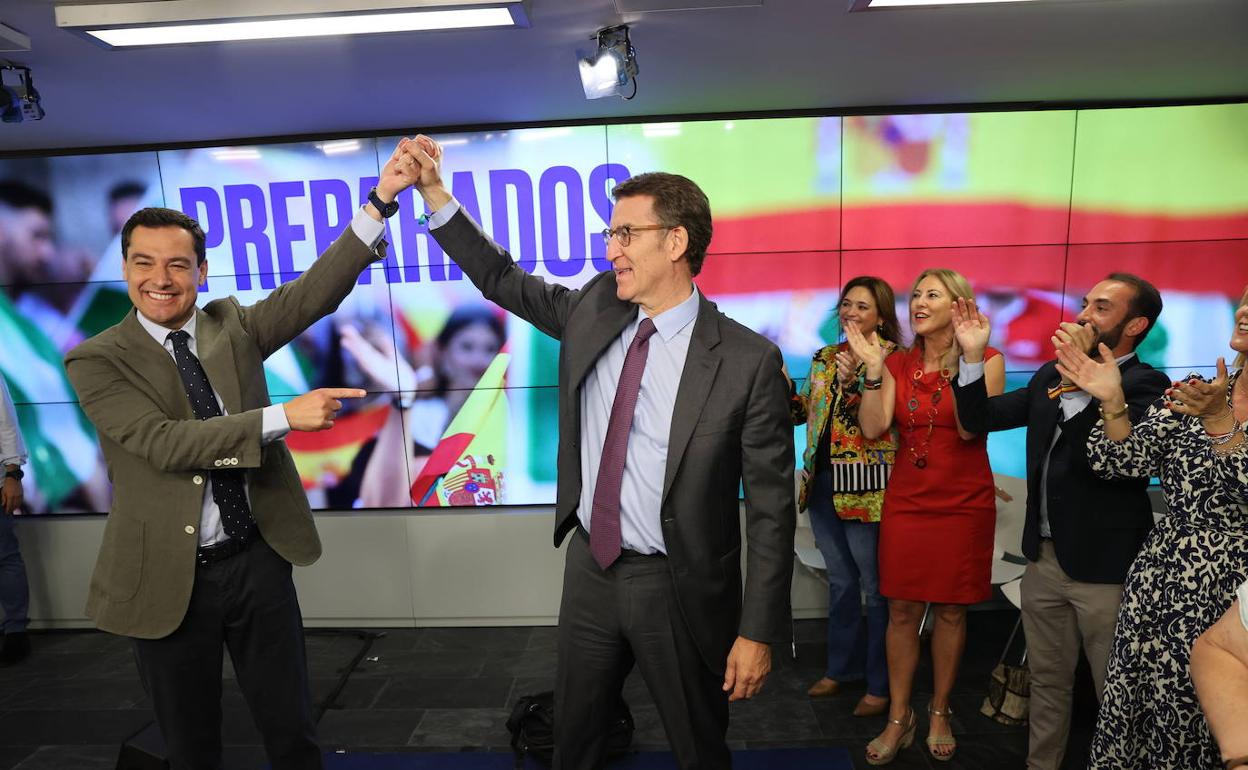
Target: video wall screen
1033 207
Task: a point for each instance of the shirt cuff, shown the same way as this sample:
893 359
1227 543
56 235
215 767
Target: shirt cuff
444 214
15 460
367 229
273 424
968 373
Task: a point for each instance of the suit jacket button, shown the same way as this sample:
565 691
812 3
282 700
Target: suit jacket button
217 463
190 530
233 461
197 479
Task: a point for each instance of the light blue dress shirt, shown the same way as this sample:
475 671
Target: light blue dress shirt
645 464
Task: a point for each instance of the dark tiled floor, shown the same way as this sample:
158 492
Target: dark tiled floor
78 698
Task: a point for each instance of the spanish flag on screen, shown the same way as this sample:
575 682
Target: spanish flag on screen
466 467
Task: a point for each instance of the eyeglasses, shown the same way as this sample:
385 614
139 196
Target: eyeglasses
624 233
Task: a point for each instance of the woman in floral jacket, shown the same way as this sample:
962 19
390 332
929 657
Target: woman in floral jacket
843 480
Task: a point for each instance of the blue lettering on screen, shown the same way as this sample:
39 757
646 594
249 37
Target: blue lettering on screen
246 211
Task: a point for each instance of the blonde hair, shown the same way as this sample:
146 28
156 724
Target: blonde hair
1242 358
959 288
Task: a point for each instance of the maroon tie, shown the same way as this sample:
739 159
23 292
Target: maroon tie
604 523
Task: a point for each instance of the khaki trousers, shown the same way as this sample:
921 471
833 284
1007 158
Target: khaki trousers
1060 614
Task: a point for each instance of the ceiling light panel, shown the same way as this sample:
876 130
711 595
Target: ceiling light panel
180 22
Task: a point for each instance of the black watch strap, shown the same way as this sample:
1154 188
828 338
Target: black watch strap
386 210
16 473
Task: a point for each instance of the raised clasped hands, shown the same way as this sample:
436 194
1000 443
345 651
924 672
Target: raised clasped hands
971 329
1199 398
1099 379
864 350
400 172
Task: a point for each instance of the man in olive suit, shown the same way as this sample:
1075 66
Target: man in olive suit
208 513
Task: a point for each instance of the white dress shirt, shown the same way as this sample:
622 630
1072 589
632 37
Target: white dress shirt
12 448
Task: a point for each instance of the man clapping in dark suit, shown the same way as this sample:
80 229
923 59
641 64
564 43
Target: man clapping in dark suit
1082 531
666 408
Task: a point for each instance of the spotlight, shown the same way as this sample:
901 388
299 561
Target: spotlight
18 98
608 71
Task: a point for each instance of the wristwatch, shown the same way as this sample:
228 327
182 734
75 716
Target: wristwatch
387 210
15 473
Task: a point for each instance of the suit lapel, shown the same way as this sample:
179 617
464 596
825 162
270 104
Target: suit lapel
612 319
146 356
216 354
701 365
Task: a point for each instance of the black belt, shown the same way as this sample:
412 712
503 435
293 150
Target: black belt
624 552
224 549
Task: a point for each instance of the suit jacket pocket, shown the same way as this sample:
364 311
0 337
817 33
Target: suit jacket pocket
730 422
119 570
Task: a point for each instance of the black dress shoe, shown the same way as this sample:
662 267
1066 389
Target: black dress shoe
16 648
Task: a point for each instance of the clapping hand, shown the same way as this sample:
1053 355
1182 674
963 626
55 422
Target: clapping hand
1099 379
1076 335
971 329
846 368
863 350
1199 398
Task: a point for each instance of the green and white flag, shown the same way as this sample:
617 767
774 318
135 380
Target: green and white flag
59 440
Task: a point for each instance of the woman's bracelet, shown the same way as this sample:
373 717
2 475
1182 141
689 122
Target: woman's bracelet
870 384
1114 415
1225 438
1205 421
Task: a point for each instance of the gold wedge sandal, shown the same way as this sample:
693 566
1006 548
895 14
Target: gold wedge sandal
885 753
941 740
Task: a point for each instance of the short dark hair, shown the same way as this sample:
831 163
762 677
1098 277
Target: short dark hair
158 217
127 188
19 195
885 304
1145 303
678 202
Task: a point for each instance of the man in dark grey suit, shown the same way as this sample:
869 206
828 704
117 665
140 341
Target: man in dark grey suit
666 407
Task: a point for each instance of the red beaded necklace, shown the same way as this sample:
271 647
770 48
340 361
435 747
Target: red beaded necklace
919 450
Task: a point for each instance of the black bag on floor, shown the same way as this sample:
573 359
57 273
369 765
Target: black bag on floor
532 728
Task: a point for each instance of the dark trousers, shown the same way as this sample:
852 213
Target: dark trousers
247 604
610 621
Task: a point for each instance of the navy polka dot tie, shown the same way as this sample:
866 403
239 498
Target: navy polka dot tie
228 490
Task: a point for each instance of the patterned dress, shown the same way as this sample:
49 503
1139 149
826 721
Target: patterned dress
1183 580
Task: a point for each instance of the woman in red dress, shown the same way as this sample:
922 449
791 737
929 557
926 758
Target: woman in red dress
937 525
